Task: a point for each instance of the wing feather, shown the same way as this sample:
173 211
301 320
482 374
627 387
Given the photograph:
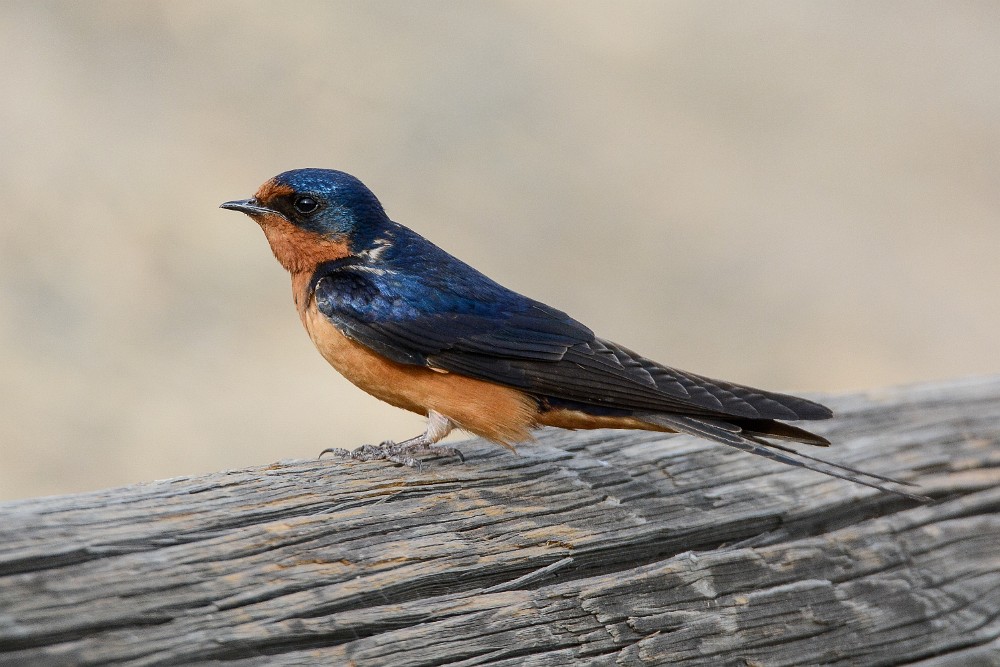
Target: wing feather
506 338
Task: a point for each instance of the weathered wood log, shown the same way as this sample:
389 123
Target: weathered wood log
594 548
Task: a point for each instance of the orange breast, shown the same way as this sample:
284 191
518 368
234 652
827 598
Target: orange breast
495 412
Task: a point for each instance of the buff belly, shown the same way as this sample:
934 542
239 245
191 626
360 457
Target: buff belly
492 411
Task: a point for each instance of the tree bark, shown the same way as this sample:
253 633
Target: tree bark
589 548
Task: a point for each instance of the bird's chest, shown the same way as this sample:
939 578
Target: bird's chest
383 378
349 358
493 411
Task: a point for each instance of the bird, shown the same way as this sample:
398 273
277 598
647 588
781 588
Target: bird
418 328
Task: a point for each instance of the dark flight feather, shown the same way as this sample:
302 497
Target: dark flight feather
545 352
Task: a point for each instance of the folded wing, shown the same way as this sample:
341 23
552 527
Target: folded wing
515 341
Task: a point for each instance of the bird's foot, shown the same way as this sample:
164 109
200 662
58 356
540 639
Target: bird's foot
402 453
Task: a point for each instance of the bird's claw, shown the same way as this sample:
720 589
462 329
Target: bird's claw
400 453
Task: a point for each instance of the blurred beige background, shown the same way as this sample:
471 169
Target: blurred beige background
804 196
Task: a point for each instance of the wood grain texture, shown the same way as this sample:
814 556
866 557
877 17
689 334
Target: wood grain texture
590 548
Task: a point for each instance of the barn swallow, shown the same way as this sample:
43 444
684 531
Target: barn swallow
421 330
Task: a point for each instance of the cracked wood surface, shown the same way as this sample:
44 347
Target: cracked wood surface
590 548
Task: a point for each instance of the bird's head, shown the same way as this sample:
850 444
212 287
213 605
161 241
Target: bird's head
311 216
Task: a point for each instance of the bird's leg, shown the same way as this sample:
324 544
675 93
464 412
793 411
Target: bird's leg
403 453
438 426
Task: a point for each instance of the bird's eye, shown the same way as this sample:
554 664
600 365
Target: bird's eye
306 205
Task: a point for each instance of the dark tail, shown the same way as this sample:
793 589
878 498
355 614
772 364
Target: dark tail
746 434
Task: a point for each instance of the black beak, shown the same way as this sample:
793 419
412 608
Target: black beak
248 206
